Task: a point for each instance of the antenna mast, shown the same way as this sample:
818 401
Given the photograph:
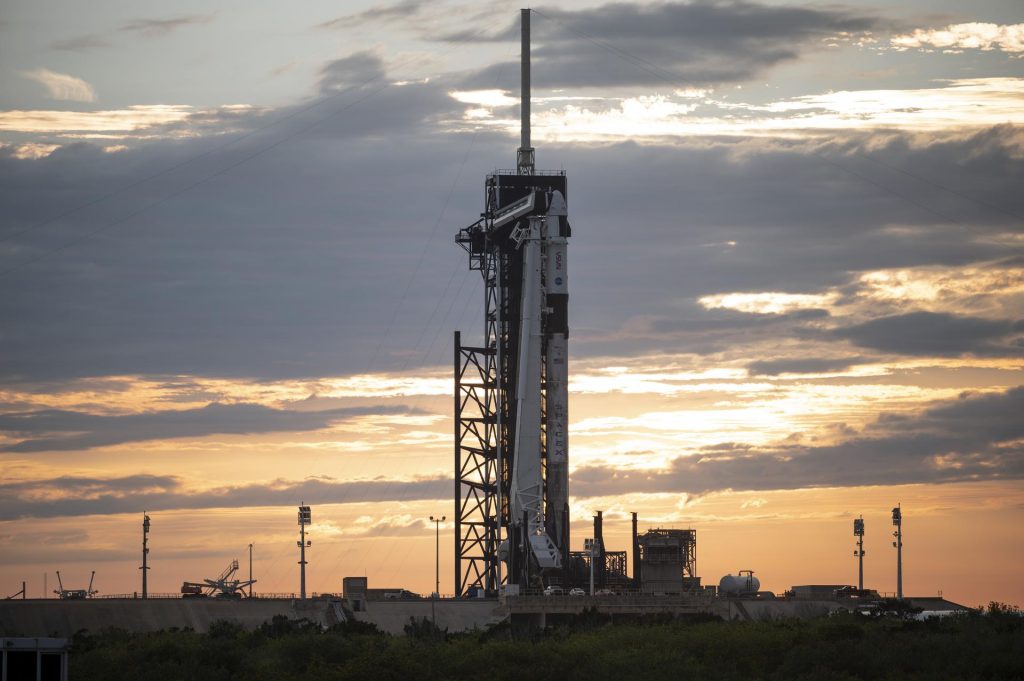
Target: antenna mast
525 159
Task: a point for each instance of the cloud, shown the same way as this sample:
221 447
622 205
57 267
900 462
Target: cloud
768 302
133 118
60 430
361 68
807 365
160 27
74 496
935 335
62 86
973 438
968 36
952 106
674 42
362 279
83 43
397 11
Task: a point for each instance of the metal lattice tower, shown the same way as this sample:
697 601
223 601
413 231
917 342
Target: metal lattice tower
511 413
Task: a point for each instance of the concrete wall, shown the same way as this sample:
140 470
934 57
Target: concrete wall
392 616
64 618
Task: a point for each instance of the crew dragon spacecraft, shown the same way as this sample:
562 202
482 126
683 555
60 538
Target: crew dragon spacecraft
511 393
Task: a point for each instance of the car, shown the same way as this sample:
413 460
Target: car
577 592
604 592
554 591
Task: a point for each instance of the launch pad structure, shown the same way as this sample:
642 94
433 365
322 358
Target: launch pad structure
511 392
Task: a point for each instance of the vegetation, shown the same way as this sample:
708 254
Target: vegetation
975 646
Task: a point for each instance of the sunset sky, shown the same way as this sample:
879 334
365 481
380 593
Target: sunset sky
228 281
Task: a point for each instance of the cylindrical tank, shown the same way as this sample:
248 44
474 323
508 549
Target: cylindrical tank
739 585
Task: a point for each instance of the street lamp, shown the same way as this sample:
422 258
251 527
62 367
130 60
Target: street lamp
437 553
437 568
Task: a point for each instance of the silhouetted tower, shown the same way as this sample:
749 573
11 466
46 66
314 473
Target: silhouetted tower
511 393
305 518
145 555
858 532
897 520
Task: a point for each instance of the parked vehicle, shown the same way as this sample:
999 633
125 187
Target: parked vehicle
554 591
577 592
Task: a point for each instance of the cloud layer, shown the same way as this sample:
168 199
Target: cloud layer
59 430
974 438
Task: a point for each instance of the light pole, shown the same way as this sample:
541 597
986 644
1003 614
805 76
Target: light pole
145 554
437 553
592 547
305 518
437 568
250 570
897 521
858 532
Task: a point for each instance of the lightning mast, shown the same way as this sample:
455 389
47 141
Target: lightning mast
511 392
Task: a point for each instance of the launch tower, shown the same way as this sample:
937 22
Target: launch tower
511 392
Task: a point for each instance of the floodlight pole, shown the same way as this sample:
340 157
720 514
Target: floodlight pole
591 546
858 531
145 555
897 520
437 566
305 518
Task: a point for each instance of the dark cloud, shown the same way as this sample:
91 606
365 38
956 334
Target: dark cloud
806 365
159 27
973 438
322 245
934 335
674 43
362 68
53 499
58 430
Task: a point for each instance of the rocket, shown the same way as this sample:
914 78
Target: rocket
556 372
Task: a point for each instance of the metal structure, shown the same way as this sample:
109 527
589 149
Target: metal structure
21 593
75 594
668 561
511 397
595 563
224 586
858 532
897 521
145 555
305 518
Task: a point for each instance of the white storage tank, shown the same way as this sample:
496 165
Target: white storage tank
743 584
